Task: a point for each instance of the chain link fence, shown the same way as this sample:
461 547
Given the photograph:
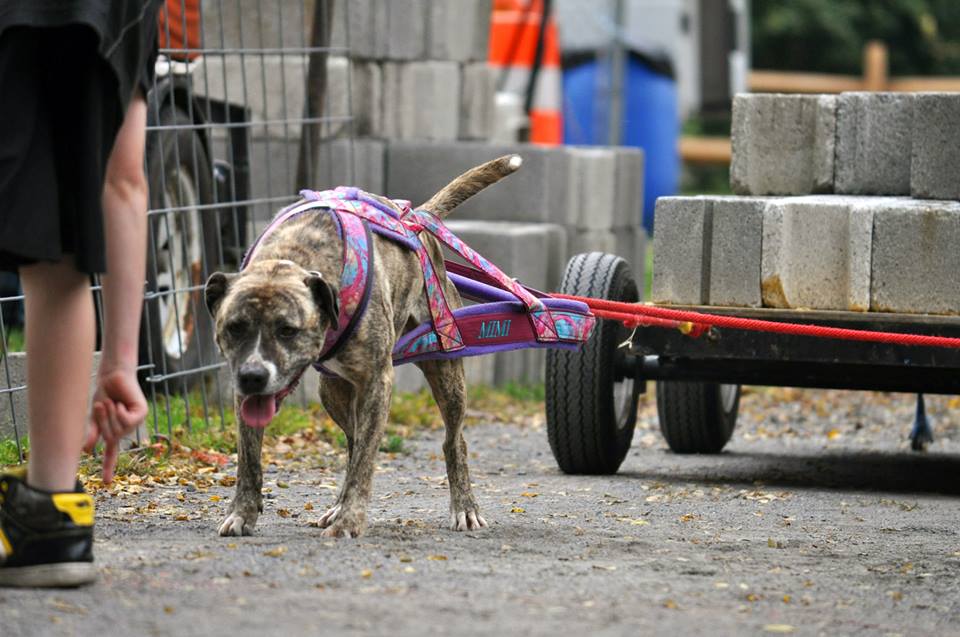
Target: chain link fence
232 132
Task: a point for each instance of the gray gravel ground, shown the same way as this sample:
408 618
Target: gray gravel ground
816 520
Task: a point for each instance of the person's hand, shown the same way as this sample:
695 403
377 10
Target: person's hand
119 407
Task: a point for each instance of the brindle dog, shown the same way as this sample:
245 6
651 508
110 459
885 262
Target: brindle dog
271 320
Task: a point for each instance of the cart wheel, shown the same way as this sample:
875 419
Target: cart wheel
697 417
591 400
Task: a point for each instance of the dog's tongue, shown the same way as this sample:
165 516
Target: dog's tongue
259 410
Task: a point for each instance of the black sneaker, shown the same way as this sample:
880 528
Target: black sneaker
46 539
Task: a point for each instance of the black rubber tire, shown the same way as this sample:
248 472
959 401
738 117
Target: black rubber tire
172 155
587 433
693 416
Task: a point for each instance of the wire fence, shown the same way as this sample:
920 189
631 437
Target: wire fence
231 129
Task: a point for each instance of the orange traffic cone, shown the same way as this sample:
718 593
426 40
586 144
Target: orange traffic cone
514 34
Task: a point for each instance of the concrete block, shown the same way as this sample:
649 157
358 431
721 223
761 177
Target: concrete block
408 378
816 253
915 257
735 251
535 193
873 147
366 90
630 243
361 27
271 86
258 24
783 144
406 33
421 100
337 97
592 241
477 92
459 29
708 250
522 250
628 204
524 366
590 187
936 146
679 261
345 162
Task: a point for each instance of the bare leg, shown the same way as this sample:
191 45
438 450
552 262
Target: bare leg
60 341
339 399
449 389
247 500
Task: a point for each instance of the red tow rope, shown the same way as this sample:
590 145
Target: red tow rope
695 323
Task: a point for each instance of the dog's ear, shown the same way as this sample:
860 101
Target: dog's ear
216 289
326 297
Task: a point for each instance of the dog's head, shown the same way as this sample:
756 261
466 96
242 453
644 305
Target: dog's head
271 321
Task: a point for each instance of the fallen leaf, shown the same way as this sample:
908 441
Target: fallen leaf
517 510
833 434
182 517
168 610
308 506
529 494
687 517
277 552
778 628
409 569
282 485
437 558
283 513
366 573
670 604
215 498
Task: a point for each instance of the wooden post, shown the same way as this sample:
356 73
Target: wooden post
875 66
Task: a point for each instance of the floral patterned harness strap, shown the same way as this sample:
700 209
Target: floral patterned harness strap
490 326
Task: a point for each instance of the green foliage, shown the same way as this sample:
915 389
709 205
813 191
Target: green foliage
8 451
15 342
828 36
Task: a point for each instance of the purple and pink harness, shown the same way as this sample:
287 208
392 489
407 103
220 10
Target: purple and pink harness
508 315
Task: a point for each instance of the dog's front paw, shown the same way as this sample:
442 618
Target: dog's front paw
238 523
469 520
343 525
329 517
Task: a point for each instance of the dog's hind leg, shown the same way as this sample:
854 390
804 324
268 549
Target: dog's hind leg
247 501
338 398
372 408
449 387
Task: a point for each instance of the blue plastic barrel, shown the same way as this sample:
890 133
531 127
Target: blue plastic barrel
650 118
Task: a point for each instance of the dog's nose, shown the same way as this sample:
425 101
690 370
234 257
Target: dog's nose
252 378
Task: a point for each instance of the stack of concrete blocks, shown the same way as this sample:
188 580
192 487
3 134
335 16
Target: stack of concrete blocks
843 202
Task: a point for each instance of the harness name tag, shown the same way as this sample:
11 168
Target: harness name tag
494 329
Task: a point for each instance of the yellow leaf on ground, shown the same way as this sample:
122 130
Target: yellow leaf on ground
778 628
366 573
438 558
277 552
529 494
517 510
833 434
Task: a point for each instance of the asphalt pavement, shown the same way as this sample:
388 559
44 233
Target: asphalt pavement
816 520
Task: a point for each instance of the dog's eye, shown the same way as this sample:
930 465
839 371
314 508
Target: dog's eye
287 332
237 329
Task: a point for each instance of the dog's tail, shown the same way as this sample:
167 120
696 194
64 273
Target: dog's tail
470 183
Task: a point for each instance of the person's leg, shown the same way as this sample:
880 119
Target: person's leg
60 340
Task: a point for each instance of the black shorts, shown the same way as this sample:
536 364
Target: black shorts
59 117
